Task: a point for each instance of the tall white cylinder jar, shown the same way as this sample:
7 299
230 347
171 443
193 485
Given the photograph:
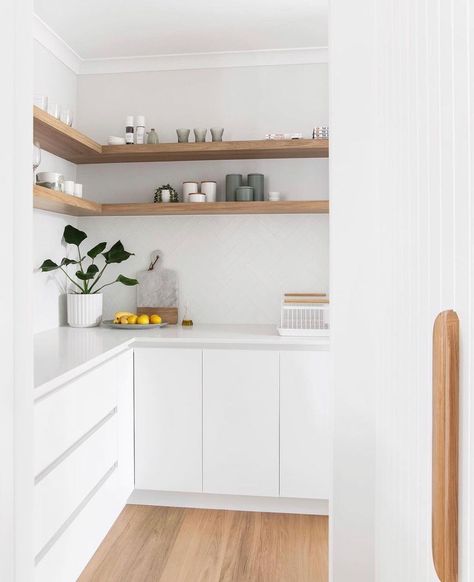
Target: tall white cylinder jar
84 310
209 188
189 188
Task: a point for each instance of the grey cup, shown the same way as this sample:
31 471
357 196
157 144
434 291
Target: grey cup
183 135
232 182
217 133
257 183
200 135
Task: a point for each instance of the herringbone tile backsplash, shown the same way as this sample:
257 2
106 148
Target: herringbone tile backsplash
231 269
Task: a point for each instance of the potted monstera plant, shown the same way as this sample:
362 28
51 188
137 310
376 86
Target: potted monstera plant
84 299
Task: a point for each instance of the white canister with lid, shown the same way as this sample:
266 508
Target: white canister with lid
209 188
189 188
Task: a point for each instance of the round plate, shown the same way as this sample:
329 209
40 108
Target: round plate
110 323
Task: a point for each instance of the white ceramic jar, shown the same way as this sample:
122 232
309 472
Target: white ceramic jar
84 310
209 188
189 188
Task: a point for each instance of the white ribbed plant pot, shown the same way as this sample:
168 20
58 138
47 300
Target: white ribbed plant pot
84 310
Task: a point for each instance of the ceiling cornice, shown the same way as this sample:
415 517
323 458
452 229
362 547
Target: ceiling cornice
59 48
55 44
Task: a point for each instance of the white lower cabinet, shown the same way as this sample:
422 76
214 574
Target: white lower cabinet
305 425
168 419
240 422
84 466
235 421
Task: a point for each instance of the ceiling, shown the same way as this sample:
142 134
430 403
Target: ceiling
98 29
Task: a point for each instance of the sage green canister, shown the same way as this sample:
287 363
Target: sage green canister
257 183
244 194
232 182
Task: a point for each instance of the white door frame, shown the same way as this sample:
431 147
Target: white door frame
16 359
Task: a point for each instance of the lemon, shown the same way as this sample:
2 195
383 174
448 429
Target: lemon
132 319
143 319
155 318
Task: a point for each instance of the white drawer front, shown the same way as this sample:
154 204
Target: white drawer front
62 490
63 417
70 554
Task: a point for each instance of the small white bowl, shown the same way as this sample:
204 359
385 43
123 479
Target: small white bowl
197 197
115 140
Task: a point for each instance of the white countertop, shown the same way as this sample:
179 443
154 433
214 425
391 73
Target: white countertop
65 352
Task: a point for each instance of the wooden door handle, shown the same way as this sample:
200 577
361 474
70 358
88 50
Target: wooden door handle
445 477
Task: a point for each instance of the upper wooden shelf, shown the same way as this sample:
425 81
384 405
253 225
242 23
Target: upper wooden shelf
61 140
46 199
68 143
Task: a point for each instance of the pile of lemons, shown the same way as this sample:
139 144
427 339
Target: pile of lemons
126 317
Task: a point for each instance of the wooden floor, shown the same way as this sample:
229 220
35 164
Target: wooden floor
160 544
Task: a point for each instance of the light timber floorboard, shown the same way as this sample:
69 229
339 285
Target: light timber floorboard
165 544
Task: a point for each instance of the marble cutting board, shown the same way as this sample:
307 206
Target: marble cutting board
158 287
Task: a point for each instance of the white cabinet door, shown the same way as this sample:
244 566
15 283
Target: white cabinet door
305 425
168 419
240 422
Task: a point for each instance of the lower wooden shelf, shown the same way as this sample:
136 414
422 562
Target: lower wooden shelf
46 199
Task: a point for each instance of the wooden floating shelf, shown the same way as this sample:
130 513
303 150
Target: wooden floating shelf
46 199
59 139
202 208
66 142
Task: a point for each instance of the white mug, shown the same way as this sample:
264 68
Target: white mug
78 190
69 187
274 196
209 189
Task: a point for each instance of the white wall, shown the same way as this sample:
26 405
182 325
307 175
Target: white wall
58 82
406 188
231 269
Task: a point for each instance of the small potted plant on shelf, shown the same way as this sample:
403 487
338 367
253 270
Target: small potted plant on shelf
84 301
166 193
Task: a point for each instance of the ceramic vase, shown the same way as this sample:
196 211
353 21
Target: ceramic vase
84 310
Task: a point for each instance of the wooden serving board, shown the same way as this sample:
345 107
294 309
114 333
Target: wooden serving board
167 314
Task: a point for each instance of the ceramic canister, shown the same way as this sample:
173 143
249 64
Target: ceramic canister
257 183
244 194
232 182
189 188
209 188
